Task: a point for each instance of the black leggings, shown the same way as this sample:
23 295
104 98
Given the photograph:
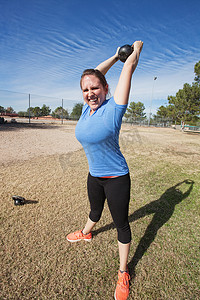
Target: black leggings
117 192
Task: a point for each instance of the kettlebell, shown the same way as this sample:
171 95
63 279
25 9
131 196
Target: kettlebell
18 200
124 52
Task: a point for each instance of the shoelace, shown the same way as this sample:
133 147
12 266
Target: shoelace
124 279
78 234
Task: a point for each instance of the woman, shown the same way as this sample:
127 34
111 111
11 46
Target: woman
98 132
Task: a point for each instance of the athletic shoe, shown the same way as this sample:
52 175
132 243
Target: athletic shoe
122 288
78 236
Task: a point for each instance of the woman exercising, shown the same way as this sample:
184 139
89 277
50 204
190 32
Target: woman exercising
98 132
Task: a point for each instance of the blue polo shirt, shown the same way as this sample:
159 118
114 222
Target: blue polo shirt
99 136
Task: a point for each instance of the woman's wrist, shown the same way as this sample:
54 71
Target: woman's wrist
137 50
116 58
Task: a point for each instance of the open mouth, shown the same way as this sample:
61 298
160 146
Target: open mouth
93 100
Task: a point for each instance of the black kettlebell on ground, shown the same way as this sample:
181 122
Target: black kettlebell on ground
18 200
124 52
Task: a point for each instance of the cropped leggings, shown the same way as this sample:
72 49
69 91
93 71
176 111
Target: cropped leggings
117 192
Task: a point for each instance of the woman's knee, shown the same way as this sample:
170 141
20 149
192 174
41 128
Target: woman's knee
95 216
124 233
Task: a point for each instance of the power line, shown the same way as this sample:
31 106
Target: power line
36 95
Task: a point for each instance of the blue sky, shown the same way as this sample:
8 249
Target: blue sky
46 44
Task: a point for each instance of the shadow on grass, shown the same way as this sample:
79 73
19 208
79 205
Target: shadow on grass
162 210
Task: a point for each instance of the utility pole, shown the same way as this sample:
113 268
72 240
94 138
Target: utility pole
151 100
62 112
29 105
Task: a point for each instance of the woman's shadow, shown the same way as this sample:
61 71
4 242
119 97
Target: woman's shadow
162 209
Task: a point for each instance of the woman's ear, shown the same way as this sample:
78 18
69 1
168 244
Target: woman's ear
106 89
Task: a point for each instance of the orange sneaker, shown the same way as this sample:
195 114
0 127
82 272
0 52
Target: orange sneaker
122 288
78 236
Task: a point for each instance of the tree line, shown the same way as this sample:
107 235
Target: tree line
183 107
58 113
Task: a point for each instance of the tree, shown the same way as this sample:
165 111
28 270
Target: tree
197 72
77 110
162 112
10 110
31 111
2 109
135 111
171 113
45 110
23 114
60 113
185 106
186 102
37 111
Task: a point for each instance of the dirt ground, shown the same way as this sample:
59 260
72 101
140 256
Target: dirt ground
20 142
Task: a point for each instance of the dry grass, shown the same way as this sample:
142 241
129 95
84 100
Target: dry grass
38 263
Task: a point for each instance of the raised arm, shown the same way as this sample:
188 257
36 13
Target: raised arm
107 64
122 91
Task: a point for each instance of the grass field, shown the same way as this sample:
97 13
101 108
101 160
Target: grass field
38 263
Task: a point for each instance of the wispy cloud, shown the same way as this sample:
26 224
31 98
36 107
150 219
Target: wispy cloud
46 46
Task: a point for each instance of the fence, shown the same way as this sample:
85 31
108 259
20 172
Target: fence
22 102
156 122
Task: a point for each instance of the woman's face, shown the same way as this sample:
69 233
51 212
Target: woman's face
94 94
